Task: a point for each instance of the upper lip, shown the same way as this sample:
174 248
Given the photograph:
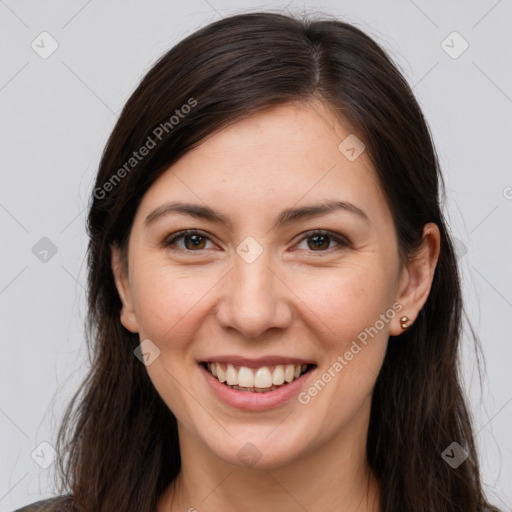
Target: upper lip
257 362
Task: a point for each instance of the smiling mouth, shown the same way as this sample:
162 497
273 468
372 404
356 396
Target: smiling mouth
256 380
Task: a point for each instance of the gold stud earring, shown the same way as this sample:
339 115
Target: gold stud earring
403 322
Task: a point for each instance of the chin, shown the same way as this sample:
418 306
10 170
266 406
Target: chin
259 448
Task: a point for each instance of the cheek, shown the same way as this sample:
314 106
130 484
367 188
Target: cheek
344 302
345 310
167 302
169 308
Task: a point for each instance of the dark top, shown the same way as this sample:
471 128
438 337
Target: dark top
50 505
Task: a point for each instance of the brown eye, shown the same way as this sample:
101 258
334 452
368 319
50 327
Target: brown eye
320 241
193 241
196 241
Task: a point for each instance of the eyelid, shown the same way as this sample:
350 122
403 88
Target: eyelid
337 237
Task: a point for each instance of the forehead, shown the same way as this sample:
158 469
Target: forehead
295 152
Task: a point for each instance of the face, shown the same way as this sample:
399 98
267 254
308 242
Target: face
271 283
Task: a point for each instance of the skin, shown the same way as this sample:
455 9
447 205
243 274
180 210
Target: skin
294 299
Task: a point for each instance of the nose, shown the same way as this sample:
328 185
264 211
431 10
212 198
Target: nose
254 298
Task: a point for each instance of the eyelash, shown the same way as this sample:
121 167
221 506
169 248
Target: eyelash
170 241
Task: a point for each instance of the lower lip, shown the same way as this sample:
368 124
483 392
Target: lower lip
249 401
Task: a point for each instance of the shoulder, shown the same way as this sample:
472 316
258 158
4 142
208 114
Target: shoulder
49 505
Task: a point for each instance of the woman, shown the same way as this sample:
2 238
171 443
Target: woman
275 304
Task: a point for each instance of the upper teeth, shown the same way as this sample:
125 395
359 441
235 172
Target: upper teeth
263 377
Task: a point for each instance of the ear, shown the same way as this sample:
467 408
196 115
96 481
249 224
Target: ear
416 279
128 317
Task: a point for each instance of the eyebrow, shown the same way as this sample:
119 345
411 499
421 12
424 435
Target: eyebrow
287 216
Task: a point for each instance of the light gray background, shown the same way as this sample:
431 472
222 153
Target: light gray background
57 113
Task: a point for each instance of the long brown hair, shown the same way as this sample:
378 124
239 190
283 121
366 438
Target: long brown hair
118 442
